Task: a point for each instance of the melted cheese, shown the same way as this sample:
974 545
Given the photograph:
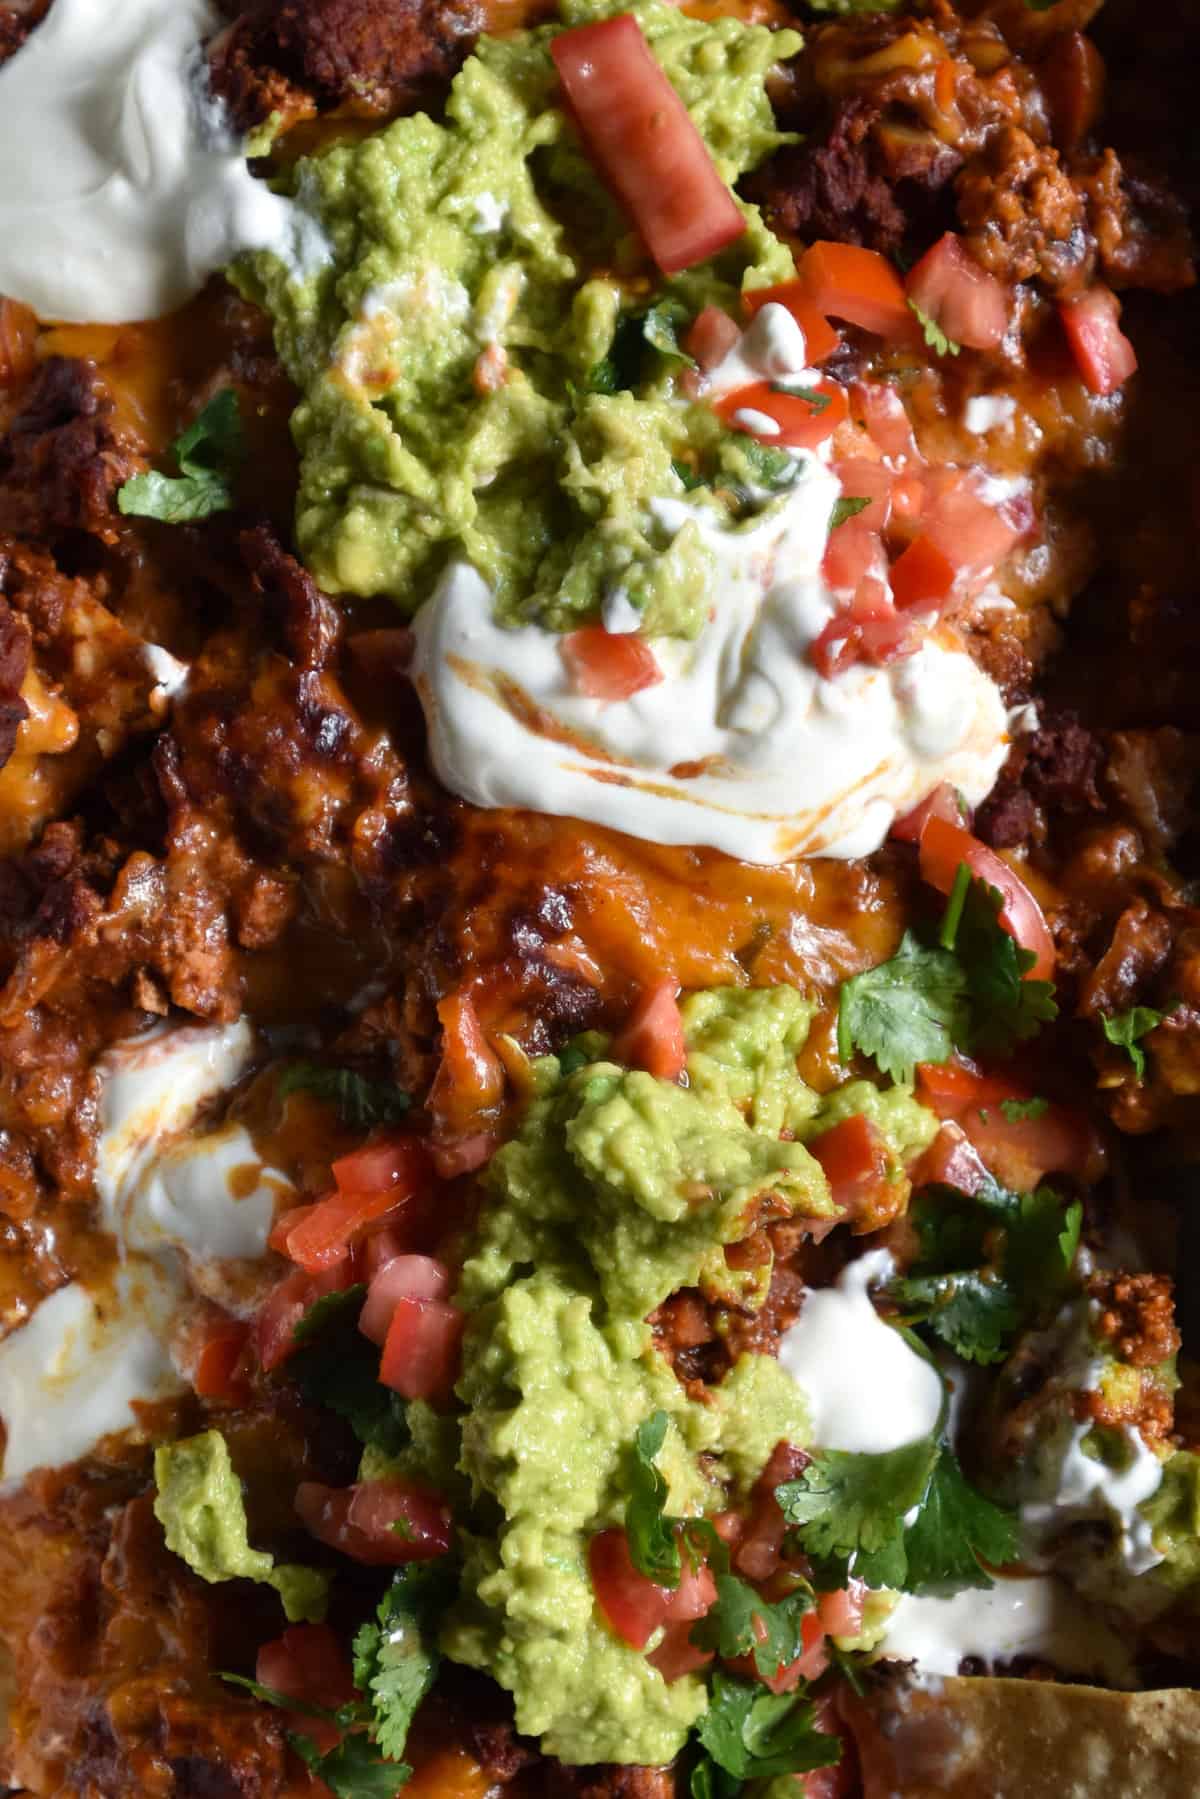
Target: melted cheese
866 1389
123 187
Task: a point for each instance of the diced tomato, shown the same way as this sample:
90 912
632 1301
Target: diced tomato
402 1277
853 555
820 338
800 424
855 1161
422 1349
970 531
809 1664
652 1035
888 426
321 1239
677 1655
951 1088
381 1522
371 1182
307 1663
634 1606
218 1369
860 286
287 1222
949 286
944 802
465 1155
641 138
710 337
868 630
757 1553
397 1161
871 481
278 1316
841 1613
951 1161
1018 1151
1103 354
841 1778
923 577
610 665
945 847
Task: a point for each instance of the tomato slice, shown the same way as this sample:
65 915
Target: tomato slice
820 338
383 1523
844 281
949 286
639 134
1103 354
610 665
800 423
423 1349
401 1277
945 847
652 1036
307 1663
710 337
856 1163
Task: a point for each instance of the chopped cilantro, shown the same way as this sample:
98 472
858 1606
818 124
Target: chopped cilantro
338 1368
935 337
660 330
955 1527
845 1501
1125 1028
396 1657
752 1734
653 1544
690 477
1015 1110
1005 1007
621 369
908 1010
849 506
208 455
360 1103
973 1311
354 1769
708 1781
742 1622
775 469
813 397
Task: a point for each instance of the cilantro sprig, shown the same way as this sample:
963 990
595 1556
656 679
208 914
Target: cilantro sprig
653 1542
933 334
751 1734
741 1622
335 1366
208 454
847 507
1126 1029
359 1102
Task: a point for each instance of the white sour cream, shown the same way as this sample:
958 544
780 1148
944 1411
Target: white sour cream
69 1376
1089 1488
988 412
123 189
1040 1616
867 1390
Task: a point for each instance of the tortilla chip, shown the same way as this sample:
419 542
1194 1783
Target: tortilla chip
1026 1739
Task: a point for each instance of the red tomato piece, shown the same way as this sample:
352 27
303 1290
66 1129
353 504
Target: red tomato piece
610 665
286 1222
855 1161
945 847
862 479
401 1277
923 577
841 1613
1103 354
949 286
950 1088
274 1327
308 1663
944 802
978 1134
869 630
639 135
217 1373
820 338
380 1522
809 1664
423 1349
652 1035
970 532
677 1655
710 337
951 1161
757 1554
854 555
398 1160
801 424
634 1606
844 281
888 426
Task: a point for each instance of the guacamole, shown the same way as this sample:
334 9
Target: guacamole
489 365
617 1191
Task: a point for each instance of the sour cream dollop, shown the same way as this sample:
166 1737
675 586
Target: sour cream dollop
123 187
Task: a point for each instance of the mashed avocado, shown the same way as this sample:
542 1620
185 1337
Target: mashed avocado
488 363
617 1191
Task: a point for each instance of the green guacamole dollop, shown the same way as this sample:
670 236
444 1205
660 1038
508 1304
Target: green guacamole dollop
489 231
617 1191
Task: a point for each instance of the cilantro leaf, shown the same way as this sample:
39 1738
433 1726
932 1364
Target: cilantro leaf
934 336
774 469
208 454
973 1311
742 1622
690 477
908 1010
660 330
355 1769
1005 1007
816 401
956 1526
753 1734
710 1781
338 1368
1015 1110
653 1545
849 506
360 1103
1125 1028
396 1657
846 1501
